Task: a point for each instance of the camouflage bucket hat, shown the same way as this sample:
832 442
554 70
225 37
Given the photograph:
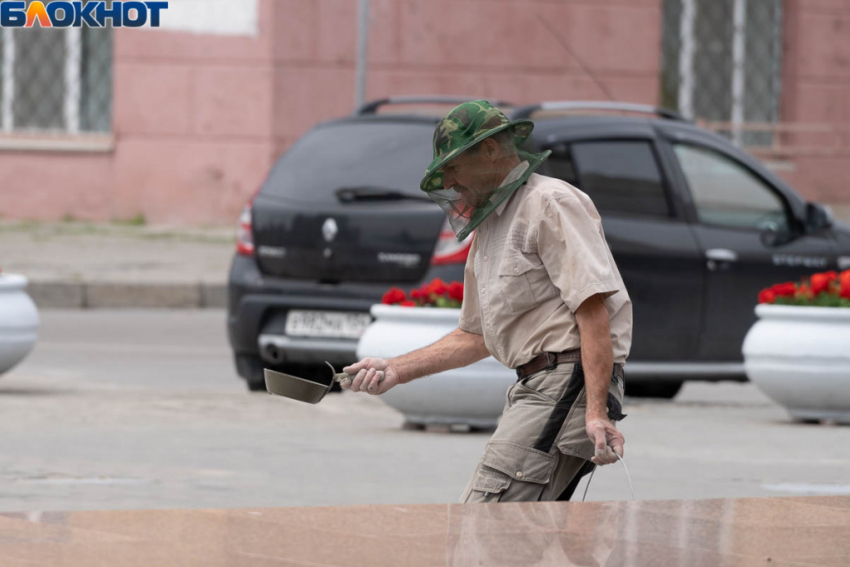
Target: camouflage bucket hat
468 205
462 128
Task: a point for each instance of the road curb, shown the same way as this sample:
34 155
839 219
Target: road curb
117 295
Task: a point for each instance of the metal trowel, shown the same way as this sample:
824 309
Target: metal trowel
303 390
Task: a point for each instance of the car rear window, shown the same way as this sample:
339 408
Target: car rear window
387 155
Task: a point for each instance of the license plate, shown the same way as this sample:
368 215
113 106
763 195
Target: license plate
336 324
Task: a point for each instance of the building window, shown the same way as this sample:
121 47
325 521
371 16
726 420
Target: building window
56 81
721 62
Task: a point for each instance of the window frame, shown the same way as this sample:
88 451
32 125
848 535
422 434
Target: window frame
793 221
71 137
673 211
683 64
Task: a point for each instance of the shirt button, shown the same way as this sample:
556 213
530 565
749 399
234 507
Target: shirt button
519 474
485 258
516 270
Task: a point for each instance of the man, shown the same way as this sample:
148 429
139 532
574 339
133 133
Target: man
542 294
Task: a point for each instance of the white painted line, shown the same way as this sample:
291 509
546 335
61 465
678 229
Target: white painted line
102 481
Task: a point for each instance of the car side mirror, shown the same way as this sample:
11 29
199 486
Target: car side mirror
818 217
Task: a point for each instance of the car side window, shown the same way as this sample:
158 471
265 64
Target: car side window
619 176
560 164
726 193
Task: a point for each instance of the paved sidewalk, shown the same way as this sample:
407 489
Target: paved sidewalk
129 409
109 265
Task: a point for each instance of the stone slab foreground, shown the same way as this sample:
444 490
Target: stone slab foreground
813 531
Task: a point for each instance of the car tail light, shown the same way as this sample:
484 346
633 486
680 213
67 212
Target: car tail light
449 250
245 235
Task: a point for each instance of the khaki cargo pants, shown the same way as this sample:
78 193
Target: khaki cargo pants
540 449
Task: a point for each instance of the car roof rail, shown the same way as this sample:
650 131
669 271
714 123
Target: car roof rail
527 111
373 106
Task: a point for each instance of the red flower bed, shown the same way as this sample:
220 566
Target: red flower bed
437 293
826 289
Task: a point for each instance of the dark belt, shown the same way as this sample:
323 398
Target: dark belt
549 360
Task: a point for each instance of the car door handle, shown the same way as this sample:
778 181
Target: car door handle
716 255
721 255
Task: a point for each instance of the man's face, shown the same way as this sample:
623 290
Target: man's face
470 175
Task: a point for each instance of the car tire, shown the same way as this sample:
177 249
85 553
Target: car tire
254 386
250 368
664 389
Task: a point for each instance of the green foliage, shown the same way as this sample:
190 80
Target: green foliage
822 300
442 301
137 220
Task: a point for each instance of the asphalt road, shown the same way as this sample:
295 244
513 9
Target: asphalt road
129 410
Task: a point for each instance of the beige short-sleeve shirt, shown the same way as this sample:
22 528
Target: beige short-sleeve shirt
531 265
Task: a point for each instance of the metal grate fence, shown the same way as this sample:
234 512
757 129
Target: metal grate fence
721 63
56 81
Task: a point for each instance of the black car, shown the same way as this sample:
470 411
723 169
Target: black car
696 225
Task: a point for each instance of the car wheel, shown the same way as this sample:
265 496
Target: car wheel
254 386
665 389
250 368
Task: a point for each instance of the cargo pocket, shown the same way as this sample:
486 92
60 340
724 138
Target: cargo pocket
527 392
509 472
490 485
547 384
572 438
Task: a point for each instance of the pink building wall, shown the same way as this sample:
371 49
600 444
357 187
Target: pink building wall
816 90
193 136
489 49
199 119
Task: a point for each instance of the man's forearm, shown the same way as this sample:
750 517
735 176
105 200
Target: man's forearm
597 356
456 349
597 359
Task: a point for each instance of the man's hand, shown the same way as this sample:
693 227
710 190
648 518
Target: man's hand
606 438
366 376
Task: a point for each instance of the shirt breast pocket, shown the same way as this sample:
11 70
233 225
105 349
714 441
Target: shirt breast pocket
524 281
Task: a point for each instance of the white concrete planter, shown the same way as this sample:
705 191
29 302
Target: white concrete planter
18 321
473 395
800 357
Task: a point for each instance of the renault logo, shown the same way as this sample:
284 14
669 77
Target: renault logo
329 230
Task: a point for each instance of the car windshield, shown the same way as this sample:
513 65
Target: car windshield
386 155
